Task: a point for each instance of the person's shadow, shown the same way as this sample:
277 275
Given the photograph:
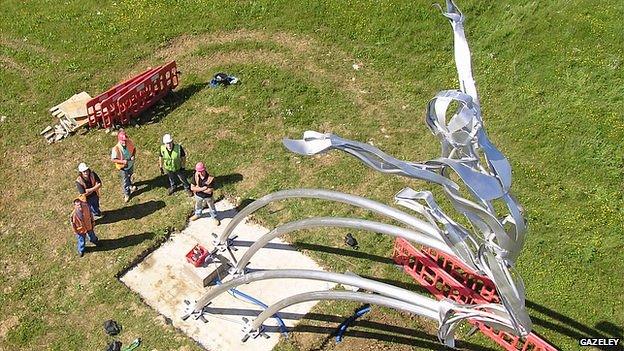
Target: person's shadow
222 180
163 181
131 212
144 186
118 243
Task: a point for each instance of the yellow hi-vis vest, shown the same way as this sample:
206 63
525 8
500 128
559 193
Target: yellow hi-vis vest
171 160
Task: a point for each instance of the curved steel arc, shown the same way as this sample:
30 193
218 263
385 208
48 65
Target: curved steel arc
346 279
341 295
330 195
354 223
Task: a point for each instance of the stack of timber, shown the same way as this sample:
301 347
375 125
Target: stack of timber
71 114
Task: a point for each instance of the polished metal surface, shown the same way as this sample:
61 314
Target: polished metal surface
490 244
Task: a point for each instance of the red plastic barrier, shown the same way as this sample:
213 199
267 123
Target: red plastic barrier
147 92
97 109
128 99
446 277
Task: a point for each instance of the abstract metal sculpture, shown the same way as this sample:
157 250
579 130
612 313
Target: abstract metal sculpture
490 246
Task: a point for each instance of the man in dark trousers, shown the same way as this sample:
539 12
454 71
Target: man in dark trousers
172 160
89 184
123 155
203 188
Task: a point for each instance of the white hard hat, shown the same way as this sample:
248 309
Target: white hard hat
167 138
82 167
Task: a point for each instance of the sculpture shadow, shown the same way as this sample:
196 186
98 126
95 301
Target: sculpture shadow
275 246
244 203
170 103
381 331
118 243
563 325
572 328
136 211
343 252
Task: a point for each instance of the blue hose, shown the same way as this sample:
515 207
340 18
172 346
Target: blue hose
342 328
255 301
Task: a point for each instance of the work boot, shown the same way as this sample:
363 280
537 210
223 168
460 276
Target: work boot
170 191
215 221
126 198
98 216
80 254
194 217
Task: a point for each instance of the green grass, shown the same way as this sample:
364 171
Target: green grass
550 79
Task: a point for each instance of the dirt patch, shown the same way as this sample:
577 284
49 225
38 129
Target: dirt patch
220 109
10 64
186 44
254 174
300 53
223 134
22 45
7 325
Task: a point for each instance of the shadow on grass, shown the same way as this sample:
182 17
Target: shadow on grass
231 178
118 243
382 331
144 186
131 212
563 325
170 103
244 203
571 328
343 252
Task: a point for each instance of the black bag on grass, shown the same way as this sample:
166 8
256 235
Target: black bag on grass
111 327
114 346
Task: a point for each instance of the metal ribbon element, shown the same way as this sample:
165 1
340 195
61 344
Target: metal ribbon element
490 245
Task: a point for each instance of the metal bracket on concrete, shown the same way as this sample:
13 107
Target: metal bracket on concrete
189 312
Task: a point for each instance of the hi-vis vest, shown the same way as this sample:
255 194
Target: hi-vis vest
171 160
118 151
82 226
81 181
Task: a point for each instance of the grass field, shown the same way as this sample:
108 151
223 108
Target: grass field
551 84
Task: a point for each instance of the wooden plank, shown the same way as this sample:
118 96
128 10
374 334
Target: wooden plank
80 124
47 129
74 106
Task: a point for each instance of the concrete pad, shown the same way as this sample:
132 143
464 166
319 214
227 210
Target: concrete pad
164 279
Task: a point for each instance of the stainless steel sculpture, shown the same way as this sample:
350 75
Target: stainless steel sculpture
490 246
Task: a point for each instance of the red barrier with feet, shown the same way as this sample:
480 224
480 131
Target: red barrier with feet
446 277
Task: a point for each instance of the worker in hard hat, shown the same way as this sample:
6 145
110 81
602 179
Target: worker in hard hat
88 183
82 223
203 188
123 155
173 160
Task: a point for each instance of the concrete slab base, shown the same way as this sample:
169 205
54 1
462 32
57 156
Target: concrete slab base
164 279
